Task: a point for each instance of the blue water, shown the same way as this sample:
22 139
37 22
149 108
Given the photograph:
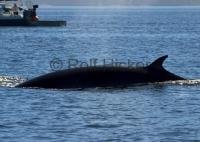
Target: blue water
155 112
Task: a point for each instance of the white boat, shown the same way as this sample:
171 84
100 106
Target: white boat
22 13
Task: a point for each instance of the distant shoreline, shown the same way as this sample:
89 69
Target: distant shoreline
134 7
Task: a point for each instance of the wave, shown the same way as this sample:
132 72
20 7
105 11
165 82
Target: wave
183 82
10 81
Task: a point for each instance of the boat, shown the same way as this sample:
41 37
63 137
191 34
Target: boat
17 13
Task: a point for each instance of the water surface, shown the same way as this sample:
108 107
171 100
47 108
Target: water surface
155 112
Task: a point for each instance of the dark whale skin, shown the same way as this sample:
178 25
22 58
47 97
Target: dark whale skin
102 76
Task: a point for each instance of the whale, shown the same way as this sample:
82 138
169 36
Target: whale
103 76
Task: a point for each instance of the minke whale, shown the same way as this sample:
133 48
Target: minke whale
102 76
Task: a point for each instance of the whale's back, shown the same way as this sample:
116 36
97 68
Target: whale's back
103 76
90 77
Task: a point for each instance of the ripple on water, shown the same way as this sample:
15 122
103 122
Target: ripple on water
10 81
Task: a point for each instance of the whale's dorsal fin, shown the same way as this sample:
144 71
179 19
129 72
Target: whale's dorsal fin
158 64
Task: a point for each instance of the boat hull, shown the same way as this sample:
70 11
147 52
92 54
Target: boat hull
24 23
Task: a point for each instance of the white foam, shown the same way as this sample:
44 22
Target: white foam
10 81
184 82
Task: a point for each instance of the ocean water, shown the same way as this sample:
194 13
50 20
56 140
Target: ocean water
155 112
